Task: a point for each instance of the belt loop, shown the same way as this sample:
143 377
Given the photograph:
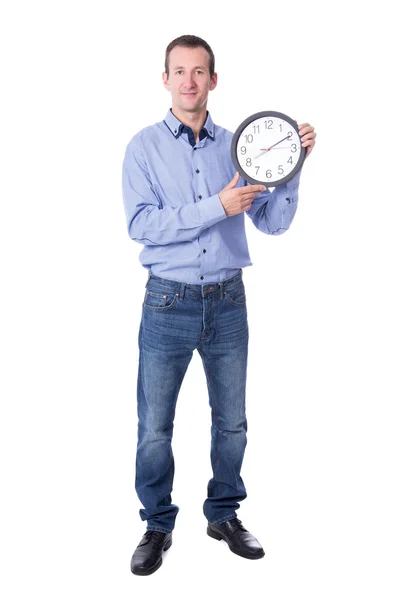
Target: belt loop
221 290
182 291
148 278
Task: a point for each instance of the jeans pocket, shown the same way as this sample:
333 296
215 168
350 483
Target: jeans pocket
237 295
159 300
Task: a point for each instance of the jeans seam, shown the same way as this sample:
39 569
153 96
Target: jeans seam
224 519
159 529
214 419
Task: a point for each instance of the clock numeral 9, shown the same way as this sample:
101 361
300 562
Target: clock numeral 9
268 173
243 149
280 169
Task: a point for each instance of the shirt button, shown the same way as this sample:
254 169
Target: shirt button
202 277
200 197
204 251
194 148
197 171
288 200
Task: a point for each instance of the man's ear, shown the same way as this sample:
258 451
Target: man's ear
213 81
165 80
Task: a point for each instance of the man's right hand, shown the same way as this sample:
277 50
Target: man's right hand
236 200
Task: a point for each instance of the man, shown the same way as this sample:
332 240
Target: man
190 221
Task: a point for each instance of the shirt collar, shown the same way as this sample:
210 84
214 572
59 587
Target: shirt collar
175 125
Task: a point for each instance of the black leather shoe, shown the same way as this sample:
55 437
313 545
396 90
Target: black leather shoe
147 557
239 540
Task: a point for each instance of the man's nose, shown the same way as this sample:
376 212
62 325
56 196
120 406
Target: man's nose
189 81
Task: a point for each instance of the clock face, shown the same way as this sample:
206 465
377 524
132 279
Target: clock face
266 148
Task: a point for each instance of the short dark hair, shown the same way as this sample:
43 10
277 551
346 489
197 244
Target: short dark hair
189 41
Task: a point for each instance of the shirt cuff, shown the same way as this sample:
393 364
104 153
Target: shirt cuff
211 210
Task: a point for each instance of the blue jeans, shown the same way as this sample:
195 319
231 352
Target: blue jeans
178 318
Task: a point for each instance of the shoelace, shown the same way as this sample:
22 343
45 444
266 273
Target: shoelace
238 522
153 536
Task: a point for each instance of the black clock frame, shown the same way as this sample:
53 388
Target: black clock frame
238 133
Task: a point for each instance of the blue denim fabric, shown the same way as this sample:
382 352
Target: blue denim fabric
178 318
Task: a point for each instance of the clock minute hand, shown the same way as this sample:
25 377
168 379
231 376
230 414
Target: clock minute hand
268 149
285 138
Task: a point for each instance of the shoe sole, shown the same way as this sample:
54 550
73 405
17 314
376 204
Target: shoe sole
156 566
218 536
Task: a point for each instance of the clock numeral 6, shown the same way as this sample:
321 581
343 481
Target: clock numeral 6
268 173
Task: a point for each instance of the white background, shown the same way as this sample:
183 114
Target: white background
321 467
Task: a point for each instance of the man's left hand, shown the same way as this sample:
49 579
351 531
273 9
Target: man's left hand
307 136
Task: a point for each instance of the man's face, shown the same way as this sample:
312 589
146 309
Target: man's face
189 78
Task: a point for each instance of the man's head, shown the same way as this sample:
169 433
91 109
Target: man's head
189 72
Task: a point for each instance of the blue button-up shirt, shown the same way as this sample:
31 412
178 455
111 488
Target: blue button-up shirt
170 188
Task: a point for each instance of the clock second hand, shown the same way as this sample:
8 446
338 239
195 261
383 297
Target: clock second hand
268 149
